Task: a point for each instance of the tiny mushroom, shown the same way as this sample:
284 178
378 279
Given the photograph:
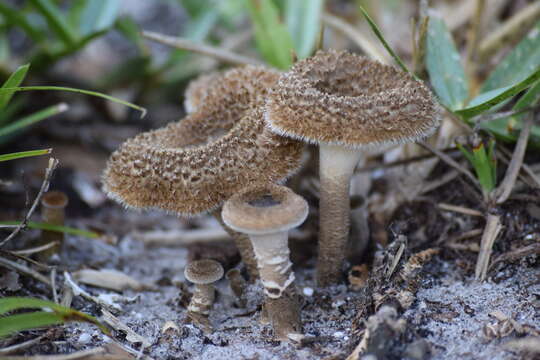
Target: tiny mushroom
192 166
346 104
266 213
203 273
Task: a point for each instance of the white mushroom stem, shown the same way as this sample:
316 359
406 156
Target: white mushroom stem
202 299
336 166
275 268
277 277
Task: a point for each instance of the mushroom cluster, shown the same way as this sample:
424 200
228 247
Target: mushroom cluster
243 135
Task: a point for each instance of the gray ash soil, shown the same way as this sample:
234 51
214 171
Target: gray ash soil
450 311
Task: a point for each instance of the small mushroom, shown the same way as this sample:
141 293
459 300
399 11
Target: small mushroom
238 285
346 104
53 212
266 213
203 273
192 166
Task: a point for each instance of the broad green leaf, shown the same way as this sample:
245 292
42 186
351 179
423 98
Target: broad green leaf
98 15
13 81
58 228
444 66
271 35
54 314
23 154
519 64
32 119
381 38
303 21
86 92
56 20
491 98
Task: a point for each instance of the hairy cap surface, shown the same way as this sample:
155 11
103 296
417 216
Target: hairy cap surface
194 165
205 271
267 208
339 98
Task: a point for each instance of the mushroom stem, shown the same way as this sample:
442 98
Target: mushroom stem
244 247
202 299
275 269
335 170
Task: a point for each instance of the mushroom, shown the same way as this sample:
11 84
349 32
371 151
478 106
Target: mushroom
197 89
266 213
346 104
203 273
192 166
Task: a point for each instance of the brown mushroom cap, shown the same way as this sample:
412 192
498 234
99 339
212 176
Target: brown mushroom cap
338 98
206 271
263 209
194 165
197 90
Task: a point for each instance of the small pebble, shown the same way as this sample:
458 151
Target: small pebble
339 334
84 338
308 291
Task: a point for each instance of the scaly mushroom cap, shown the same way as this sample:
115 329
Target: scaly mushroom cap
197 90
338 98
204 271
193 165
262 209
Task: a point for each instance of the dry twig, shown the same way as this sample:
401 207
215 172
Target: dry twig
53 163
503 191
491 231
215 52
25 270
356 36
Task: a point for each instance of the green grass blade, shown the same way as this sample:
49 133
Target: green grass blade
16 17
56 20
444 66
271 35
58 228
58 314
97 16
32 119
378 33
303 21
494 97
81 91
13 81
20 322
519 64
24 154
501 127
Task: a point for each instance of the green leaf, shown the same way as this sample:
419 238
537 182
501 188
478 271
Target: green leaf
14 80
494 97
444 66
379 35
271 35
54 314
16 17
32 119
519 64
86 92
130 29
501 127
58 228
303 21
20 322
98 16
56 20
24 154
